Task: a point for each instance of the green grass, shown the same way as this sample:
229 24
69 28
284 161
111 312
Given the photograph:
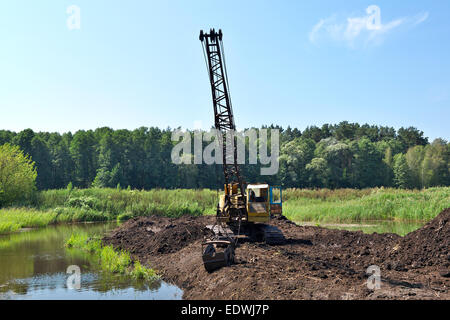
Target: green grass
326 194
95 204
348 205
111 260
13 219
323 205
123 204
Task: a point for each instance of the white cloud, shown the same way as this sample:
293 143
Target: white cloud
421 18
360 30
315 29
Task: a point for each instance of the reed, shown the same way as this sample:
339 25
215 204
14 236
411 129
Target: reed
321 205
110 259
365 205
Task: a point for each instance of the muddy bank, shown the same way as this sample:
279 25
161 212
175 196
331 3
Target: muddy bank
313 263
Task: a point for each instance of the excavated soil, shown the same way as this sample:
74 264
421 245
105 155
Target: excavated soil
313 263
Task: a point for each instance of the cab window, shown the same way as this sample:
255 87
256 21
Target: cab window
256 195
275 195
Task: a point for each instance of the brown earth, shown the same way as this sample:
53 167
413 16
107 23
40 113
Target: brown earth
314 263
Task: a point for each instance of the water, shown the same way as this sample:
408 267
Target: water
33 265
401 228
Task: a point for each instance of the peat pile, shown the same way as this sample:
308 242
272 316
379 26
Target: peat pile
158 235
313 263
427 246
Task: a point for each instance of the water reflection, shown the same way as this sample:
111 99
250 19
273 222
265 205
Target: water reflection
33 265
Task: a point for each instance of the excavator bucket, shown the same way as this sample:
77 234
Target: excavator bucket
217 254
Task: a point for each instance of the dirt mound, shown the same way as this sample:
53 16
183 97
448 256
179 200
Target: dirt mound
427 246
158 235
313 263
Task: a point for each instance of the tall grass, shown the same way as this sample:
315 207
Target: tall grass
113 203
111 260
323 205
327 194
95 204
348 205
13 219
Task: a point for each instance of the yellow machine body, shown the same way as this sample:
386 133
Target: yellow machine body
260 203
263 202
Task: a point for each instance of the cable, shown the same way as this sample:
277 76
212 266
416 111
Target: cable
226 80
206 61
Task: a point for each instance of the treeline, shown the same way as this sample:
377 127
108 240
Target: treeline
346 155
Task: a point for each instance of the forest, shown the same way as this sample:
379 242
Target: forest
344 155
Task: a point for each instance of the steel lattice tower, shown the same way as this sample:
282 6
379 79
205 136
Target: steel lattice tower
223 111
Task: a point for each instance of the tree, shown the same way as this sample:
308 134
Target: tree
411 137
23 140
339 160
290 134
17 175
386 133
332 156
318 172
345 131
401 171
43 160
295 155
314 133
62 164
414 158
103 179
388 161
369 169
6 136
82 150
435 166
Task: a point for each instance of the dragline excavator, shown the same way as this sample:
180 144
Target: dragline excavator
244 210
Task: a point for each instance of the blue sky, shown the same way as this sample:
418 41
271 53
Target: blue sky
298 63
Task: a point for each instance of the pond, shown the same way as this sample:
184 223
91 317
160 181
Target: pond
34 265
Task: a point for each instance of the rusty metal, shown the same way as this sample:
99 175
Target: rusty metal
218 250
223 110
